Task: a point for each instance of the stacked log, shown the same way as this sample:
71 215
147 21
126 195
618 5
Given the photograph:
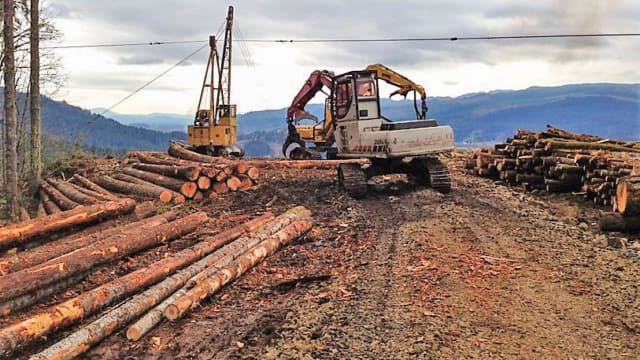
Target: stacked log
20 233
245 245
556 161
627 205
204 176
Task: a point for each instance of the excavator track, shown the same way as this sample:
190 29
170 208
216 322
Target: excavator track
353 179
439 177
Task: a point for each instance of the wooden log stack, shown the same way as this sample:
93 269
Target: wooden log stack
601 170
150 289
555 161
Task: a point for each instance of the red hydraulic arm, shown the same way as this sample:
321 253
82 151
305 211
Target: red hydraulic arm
314 83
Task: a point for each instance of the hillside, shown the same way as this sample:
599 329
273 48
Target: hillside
609 110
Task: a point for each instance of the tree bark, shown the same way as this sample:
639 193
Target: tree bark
212 284
10 112
43 253
25 332
11 306
581 145
107 250
182 153
49 206
123 187
82 340
628 195
58 197
97 196
190 173
187 189
176 197
21 232
71 193
34 95
93 186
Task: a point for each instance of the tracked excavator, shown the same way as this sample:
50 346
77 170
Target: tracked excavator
359 130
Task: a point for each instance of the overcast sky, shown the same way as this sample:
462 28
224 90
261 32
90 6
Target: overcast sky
275 71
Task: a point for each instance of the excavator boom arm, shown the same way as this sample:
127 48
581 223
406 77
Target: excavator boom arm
404 86
314 83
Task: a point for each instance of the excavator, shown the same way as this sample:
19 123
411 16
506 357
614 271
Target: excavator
214 130
354 123
321 133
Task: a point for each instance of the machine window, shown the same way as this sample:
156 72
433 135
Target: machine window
344 97
366 88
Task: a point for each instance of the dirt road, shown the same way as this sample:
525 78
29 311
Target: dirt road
483 272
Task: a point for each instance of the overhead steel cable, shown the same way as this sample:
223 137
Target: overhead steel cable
416 39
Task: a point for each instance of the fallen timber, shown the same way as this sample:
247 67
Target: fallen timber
186 188
21 232
83 339
214 261
71 193
212 284
123 187
62 201
106 250
68 244
25 332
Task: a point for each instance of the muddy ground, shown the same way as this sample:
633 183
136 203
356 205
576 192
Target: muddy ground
482 272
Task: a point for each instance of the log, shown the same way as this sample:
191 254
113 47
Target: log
204 183
581 145
617 222
93 186
60 199
199 195
220 188
309 164
43 253
9 307
170 285
124 187
628 195
234 183
246 182
221 176
49 206
180 152
556 186
260 235
21 232
104 251
25 332
82 340
560 133
186 188
190 173
211 285
176 197
530 179
241 168
98 196
71 193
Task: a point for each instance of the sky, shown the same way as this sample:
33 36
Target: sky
268 75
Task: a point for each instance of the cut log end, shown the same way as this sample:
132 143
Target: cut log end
166 196
189 189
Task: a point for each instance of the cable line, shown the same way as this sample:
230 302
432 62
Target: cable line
417 39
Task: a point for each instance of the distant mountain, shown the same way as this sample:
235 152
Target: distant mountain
73 123
608 110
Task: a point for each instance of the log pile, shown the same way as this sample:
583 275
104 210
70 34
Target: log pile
557 161
144 294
